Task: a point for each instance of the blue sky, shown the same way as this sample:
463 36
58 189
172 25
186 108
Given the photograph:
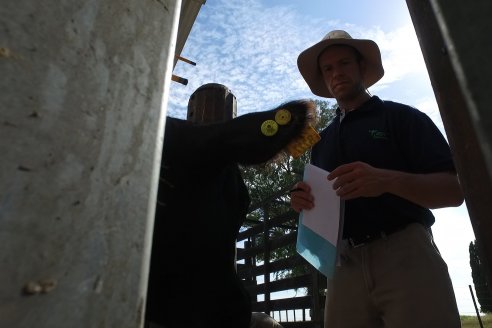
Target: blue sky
251 46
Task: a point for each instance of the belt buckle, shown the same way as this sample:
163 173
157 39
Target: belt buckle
368 239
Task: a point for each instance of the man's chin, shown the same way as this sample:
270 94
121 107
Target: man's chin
341 93
341 89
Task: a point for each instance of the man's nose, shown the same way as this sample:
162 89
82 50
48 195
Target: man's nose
337 71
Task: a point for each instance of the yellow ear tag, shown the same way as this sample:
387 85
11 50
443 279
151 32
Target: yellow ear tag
269 128
282 116
306 140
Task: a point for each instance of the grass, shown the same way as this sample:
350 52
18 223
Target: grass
472 321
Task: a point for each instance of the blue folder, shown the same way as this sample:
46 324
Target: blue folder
319 252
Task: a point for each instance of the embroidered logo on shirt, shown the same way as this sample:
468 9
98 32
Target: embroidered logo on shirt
376 134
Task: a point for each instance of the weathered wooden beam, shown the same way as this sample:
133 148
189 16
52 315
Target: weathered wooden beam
455 40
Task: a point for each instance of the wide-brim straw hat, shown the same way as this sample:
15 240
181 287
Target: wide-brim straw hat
307 62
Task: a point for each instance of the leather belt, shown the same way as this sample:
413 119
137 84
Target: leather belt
364 239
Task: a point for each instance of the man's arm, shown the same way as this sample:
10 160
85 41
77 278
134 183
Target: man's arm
433 190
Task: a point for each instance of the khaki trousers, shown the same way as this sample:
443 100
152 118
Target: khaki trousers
399 281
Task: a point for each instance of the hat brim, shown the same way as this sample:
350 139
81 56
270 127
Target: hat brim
307 62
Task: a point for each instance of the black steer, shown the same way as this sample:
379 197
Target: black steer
202 203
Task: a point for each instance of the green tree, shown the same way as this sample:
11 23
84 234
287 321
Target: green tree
479 276
269 186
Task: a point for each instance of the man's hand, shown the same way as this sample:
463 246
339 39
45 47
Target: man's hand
359 179
301 198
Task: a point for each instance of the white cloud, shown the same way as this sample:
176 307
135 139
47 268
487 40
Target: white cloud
251 50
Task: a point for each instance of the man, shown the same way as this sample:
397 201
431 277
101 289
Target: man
390 165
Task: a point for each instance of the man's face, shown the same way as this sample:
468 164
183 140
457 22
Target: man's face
342 72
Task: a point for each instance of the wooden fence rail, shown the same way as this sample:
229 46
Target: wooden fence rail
296 301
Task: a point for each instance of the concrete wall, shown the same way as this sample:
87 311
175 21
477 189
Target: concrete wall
84 87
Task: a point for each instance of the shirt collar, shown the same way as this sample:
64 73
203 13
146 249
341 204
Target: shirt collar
366 106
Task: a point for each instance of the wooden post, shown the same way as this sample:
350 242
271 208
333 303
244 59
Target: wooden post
317 307
211 102
456 52
266 264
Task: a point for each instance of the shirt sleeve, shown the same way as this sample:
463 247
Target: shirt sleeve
422 143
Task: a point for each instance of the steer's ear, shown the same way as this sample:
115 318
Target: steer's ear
256 138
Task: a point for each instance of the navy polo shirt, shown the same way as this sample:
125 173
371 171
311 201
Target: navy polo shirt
388 135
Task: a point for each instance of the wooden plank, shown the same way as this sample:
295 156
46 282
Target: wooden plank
273 222
283 284
461 85
274 244
295 303
246 271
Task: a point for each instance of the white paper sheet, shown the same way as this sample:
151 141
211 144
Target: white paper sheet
324 217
